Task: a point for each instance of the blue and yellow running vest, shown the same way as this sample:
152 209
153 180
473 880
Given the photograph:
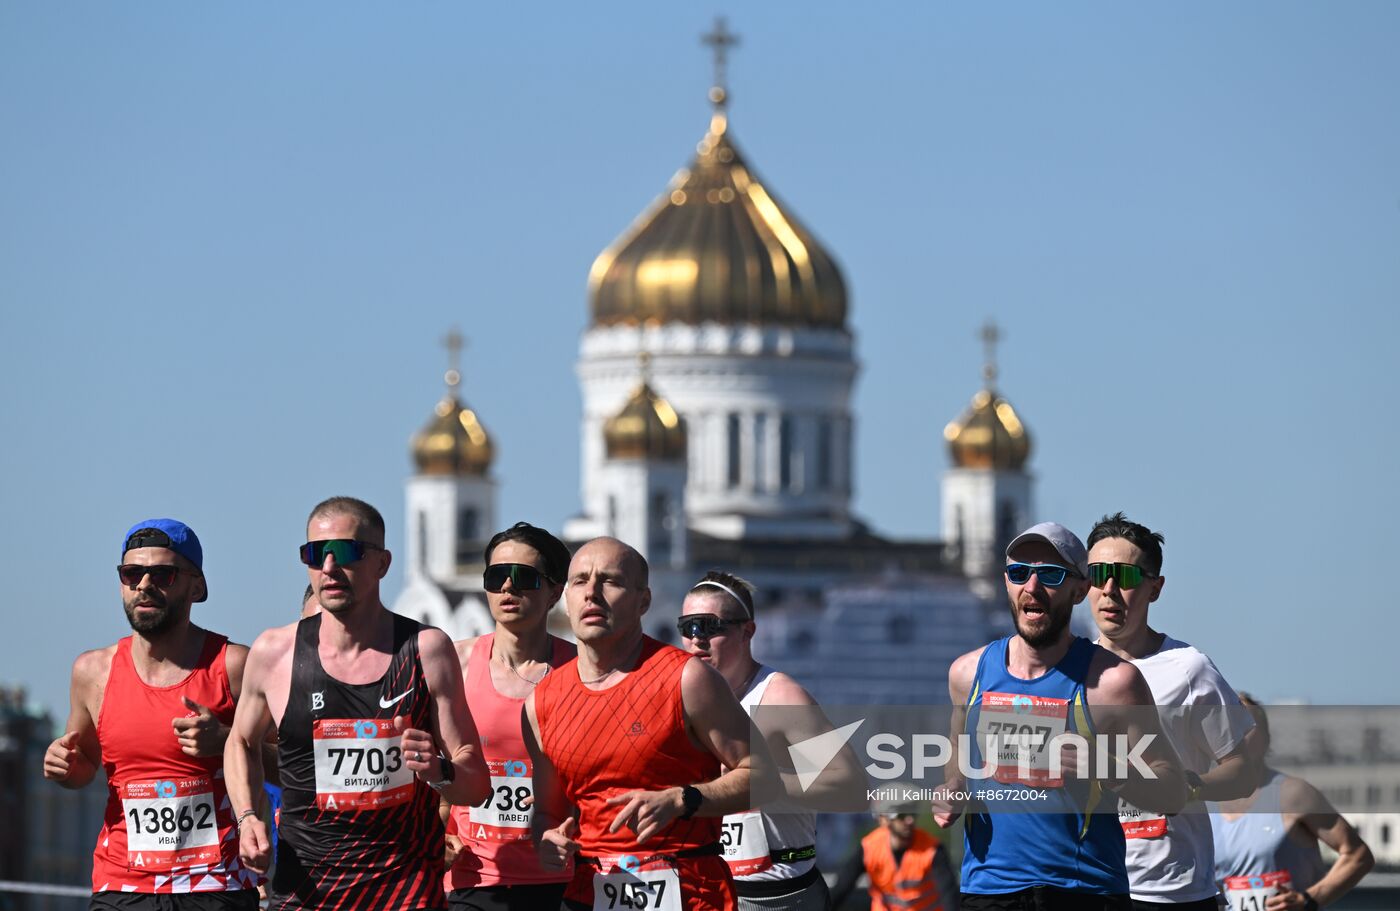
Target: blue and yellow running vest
1080 846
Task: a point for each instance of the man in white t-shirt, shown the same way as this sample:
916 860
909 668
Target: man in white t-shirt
1170 859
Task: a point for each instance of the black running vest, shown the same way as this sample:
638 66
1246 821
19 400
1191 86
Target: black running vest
357 830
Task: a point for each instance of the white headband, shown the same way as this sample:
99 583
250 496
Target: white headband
723 587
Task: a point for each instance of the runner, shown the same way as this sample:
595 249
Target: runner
1049 843
363 701
908 868
152 711
1266 854
495 864
1170 859
771 852
636 732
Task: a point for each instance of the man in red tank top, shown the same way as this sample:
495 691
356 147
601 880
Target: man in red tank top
370 721
636 732
492 862
153 710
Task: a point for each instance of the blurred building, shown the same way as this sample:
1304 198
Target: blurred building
717 431
49 831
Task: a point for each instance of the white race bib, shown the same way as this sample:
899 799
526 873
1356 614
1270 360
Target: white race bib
359 764
1021 727
1249 893
506 813
630 886
170 823
745 843
1140 823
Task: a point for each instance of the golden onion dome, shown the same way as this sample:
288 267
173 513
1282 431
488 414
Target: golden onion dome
717 247
453 442
647 427
989 434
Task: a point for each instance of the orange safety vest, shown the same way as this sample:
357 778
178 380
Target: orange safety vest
907 887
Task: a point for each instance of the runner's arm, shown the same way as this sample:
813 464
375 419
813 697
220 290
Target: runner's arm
719 725
789 715
72 759
553 837
949 806
1322 821
943 877
243 752
852 869
1121 703
452 722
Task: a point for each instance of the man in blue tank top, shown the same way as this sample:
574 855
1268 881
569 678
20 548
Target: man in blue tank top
1037 835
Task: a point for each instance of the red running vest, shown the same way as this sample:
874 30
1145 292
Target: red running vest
168 825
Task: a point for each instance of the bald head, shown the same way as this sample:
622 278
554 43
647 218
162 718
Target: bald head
626 557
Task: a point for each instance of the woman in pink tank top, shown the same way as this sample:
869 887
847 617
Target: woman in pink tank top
491 851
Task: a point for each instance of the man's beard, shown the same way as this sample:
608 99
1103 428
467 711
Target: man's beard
1058 621
151 624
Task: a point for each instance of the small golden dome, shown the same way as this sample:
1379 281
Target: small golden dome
717 247
989 434
647 427
453 442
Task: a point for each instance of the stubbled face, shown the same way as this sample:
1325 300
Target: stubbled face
1042 613
1120 612
526 607
152 610
728 648
337 588
901 826
604 596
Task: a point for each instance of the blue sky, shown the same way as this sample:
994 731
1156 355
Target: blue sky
232 236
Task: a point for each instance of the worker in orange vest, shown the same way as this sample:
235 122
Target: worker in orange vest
908 868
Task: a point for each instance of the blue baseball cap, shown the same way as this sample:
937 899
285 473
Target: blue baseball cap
169 533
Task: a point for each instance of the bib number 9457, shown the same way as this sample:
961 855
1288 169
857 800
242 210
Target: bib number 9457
643 890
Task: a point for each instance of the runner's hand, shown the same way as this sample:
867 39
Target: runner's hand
557 846
200 734
61 756
452 846
1285 900
646 812
947 803
254 847
419 751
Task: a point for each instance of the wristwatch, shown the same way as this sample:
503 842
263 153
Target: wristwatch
1194 785
691 798
1309 903
448 771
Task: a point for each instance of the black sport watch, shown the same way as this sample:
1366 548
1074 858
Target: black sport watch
691 798
1309 903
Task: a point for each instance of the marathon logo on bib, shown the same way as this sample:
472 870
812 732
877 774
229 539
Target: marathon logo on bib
1015 730
1140 823
506 813
170 823
629 884
1250 893
745 844
359 764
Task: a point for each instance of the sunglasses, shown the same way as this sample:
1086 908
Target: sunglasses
345 551
523 577
1050 574
1127 575
703 626
162 574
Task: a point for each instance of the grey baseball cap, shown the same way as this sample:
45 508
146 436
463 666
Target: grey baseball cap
1065 542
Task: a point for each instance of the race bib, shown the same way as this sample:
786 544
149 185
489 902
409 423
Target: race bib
170 823
1139 823
1015 731
745 844
1249 893
506 813
630 885
359 765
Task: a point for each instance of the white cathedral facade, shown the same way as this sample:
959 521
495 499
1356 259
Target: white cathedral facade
717 375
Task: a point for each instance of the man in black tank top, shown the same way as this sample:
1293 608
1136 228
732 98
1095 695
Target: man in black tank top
370 720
